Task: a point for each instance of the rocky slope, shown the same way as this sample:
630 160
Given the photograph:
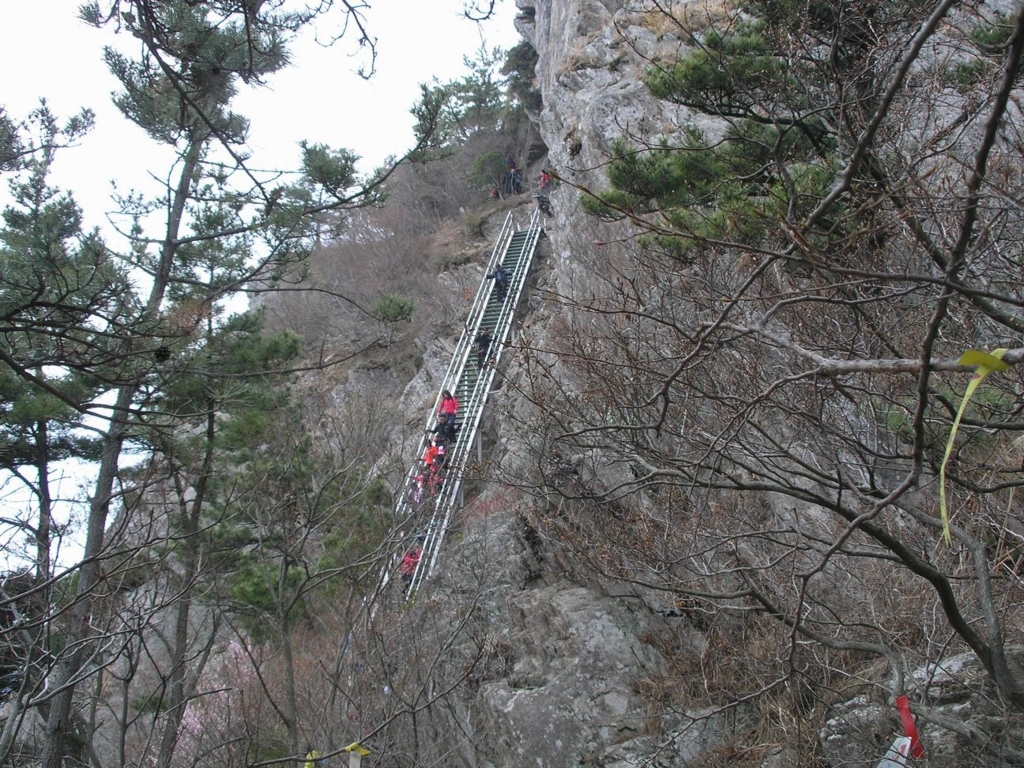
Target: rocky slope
572 668
570 671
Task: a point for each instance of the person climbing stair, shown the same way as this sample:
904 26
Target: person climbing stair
483 345
500 276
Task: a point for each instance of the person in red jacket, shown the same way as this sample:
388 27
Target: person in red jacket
408 565
434 457
448 408
430 455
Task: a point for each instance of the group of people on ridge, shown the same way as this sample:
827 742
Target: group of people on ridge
512 181
442 436
512 184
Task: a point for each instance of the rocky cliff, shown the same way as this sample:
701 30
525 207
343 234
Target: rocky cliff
569 669
575 665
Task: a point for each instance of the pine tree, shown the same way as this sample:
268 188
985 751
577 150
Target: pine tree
62 291
219 226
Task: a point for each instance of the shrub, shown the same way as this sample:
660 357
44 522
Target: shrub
993 38
393 309
487 170
968 75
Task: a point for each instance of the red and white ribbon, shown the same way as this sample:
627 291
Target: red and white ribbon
905 746
909 727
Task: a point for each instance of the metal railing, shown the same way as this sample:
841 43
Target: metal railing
515 248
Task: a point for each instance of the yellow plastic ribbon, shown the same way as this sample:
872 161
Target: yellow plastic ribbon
984 364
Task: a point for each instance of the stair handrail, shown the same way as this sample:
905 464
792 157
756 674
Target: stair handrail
445 501
457 361
479 302
481 394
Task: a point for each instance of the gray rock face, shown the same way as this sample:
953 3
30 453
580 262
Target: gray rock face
592 55
568 688
568 693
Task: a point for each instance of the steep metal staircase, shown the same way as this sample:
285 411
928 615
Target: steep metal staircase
430 518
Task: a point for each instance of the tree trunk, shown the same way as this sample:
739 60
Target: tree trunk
290 708
177 695
68 670
45 503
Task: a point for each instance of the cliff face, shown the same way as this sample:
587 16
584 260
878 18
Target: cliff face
576 663
592 55
572 667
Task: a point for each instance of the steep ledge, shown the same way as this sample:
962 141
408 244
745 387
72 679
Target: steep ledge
576 667
573 677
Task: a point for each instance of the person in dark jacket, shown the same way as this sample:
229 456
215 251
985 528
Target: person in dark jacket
544 203
483 346
445 432
500 276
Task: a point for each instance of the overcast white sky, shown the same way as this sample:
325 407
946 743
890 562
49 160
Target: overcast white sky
45 51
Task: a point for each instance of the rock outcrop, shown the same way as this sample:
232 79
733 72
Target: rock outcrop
573 667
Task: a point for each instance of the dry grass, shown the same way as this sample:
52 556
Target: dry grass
683 19
582 55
